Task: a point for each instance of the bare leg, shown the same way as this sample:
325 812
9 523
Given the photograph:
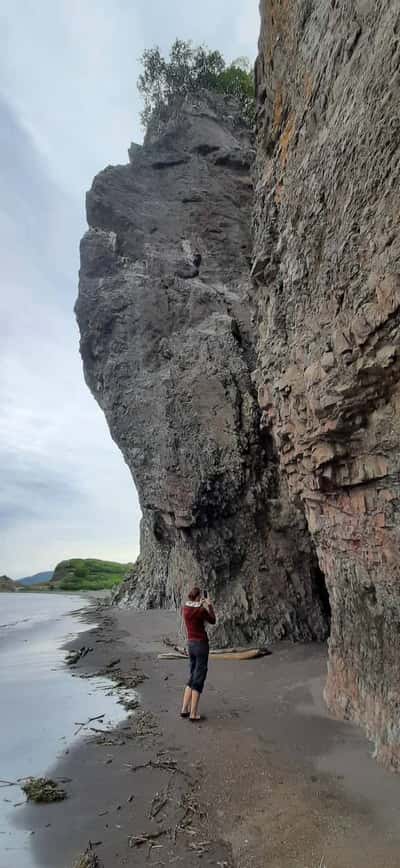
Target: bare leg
187 699
194 711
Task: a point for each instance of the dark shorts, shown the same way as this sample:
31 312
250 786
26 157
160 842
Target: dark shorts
198 655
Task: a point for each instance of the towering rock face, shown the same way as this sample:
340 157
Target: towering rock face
327 268
168 344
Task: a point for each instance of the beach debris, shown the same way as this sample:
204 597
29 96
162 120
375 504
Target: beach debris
240 653
168 765
146 838
43 790
169 642
122 681
90 719
129 704
77 654
89 675
127 681
108 742
113 663
200 847
101 731
220 654
160 800
88 859
191 809
145 723
86 723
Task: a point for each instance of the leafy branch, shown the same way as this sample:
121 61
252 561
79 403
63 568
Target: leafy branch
189 70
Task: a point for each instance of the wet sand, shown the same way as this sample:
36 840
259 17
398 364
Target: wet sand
269 779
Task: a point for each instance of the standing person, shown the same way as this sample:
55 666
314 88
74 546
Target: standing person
197 611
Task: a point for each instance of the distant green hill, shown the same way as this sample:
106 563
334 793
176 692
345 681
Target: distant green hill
87 574
37 579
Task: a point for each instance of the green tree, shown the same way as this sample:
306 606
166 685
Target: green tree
188 70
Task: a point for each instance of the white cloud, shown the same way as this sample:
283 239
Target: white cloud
247 29
65 490
68 72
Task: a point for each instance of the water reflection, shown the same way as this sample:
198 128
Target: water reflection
40 702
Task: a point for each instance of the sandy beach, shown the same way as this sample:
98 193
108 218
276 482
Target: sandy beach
268 779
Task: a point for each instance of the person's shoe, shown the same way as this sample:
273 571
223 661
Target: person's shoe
185 714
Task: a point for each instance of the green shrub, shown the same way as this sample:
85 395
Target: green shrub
90 583
189 70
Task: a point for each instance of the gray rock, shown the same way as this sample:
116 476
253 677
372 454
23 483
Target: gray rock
7 585
327 271
167 325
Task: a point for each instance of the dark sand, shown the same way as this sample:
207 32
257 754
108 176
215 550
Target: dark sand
269 779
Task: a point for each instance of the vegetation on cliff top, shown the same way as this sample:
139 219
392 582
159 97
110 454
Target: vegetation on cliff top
88 574
188 70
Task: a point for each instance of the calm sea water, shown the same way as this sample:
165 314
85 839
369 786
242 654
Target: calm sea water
40 702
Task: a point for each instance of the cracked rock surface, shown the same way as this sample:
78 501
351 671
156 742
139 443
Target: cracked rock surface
327 270
168 341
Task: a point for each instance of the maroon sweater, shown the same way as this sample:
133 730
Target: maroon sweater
195 618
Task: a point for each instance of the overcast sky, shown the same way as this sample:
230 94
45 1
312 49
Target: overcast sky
69 107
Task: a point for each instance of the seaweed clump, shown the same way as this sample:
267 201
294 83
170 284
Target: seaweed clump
87 860
43 790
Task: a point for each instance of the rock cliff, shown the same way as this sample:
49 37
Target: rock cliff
327 270
168 340
6 584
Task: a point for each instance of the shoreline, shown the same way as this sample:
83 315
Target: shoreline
112 769
269 778
40 703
